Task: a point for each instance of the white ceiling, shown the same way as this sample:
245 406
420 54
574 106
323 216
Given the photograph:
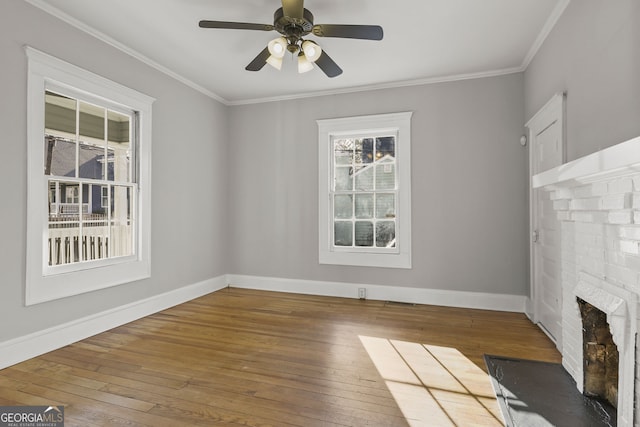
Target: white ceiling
424 41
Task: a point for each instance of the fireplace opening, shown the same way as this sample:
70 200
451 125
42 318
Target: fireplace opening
600 360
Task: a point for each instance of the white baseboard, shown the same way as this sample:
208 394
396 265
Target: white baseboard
23 348
26 347
462 299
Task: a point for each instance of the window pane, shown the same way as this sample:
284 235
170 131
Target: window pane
91 153
60 134
121 221
364 205
385 176
64 223
95 230
363 151
91 161
343 151
91 122
104 198
385 146
343 206
364 179
386 234
60 156
119 144
343 179
343 233
59 115
364 233
385 206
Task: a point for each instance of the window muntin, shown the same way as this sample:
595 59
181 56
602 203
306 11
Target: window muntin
365 190
88 147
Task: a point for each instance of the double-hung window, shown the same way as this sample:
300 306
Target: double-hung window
88 181
365 189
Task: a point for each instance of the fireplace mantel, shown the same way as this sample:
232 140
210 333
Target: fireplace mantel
596 200
619 160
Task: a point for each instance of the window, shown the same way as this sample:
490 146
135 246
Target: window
104 197
88 176
365 188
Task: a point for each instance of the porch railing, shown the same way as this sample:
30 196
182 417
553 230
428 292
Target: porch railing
67 208
67 246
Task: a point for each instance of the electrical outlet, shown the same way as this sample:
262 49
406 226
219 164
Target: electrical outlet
362 293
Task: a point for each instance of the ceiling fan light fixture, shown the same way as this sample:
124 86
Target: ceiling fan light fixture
311 50
278 47
275 62
304 65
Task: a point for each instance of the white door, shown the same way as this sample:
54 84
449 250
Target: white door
546 150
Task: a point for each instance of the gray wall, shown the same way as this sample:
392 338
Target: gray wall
469 181
593 53
188 172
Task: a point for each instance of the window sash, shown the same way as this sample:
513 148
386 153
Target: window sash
376 161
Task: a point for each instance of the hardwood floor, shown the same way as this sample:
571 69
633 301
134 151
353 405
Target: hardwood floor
255 358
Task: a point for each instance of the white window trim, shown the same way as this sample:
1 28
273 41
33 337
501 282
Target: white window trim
399 124
43 71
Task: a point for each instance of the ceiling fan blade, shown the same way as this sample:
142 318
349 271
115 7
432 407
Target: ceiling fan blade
365 32
328 65
235 25
293 8
259 61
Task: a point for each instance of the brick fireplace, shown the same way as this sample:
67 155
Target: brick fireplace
597 202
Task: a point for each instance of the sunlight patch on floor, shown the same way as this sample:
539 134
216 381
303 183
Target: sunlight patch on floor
434 386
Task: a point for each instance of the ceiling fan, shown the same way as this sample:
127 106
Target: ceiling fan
294 22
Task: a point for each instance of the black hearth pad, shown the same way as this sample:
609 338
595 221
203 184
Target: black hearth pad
539 394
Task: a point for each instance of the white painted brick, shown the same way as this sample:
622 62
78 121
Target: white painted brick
591 265
635 200
631 233
615 201
563 216
630 247
636 185
586 239
614 257
560 193
591 204
622 185
591 190
590 217
587 228
611 244
636 217
621 275
621 217
561 205
631 261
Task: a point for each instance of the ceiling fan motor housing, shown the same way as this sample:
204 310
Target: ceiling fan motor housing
293 29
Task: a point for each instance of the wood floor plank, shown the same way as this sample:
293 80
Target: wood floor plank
255 358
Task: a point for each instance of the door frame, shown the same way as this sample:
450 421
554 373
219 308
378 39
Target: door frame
554 109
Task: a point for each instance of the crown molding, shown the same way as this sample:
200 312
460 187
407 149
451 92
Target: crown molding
124 48
544 33
388 85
